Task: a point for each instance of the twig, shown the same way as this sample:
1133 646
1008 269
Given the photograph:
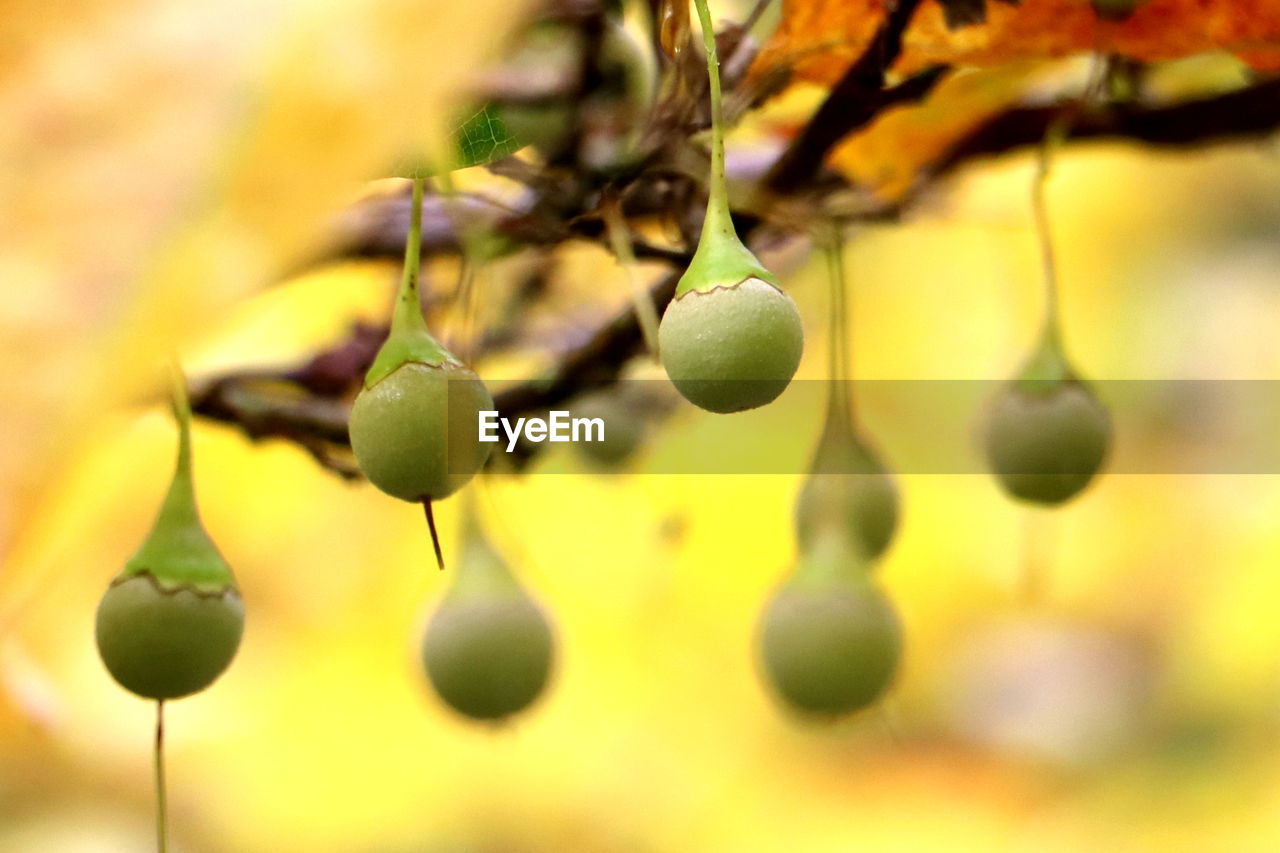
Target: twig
1249 112
857 98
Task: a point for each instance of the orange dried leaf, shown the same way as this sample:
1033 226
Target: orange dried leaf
818 38
886 157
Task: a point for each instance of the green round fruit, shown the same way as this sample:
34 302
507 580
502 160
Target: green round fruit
1046 445
415 432
624 429
488 656
733 348
830 647
165 643
862 501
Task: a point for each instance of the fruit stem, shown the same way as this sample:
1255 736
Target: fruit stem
1055 135
721 260
1037 556
1052 319
409 339
435 537
162 800
408 311
840 400
179 507
717 217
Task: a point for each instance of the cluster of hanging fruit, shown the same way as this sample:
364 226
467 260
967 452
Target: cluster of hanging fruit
488 647
730 340
830 638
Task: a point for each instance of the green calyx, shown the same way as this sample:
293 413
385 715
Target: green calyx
178 552
1047 369
721 259
409 339
481 570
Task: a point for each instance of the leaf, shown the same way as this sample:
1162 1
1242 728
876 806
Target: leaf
819 38
887 157
483 138
479 139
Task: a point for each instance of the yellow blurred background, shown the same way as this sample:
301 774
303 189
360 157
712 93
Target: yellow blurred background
161 163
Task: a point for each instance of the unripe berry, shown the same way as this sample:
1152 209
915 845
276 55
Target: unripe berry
488 658
1046 445
170 622
414 425
730 340
830 641
165 643
414 431
848 490
732 347
488 648
1047 435
624 428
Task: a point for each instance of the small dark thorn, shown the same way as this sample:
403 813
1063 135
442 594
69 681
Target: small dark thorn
435 537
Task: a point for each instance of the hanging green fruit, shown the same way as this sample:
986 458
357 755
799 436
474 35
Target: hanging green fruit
830 639
624 427
1047 434
170 622
847 487
488 647
731 339
413 425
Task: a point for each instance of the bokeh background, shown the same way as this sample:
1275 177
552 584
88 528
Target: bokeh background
160 165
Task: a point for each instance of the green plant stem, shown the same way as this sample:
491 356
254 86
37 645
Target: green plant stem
182 414
1038 547
840 402
1055 135
181 500
409 339
162 800
1039 208
721 259
408 310
718 217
